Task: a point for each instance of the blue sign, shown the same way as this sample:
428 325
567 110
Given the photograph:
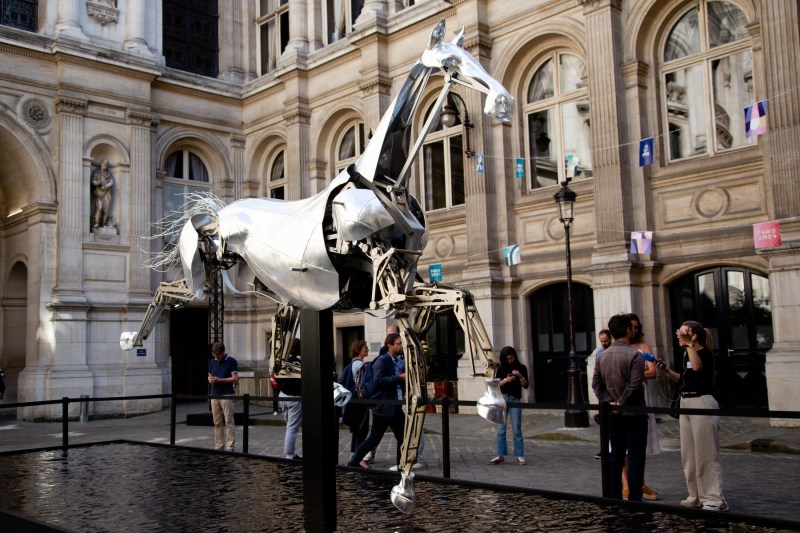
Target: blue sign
520 168
435 272
141 352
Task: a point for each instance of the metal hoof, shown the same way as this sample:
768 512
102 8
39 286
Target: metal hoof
403 494
492 405
126 340
341 396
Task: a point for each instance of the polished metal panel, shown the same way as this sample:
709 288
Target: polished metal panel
357 213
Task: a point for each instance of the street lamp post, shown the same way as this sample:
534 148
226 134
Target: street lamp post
575 415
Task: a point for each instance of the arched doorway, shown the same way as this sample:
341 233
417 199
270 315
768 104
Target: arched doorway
734 304
550 334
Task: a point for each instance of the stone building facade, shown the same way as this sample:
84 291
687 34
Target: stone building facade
274 97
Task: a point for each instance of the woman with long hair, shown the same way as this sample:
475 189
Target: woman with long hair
513 377
699 433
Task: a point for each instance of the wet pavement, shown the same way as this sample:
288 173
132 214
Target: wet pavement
761 464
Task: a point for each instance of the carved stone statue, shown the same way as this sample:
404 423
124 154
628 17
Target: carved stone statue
102 189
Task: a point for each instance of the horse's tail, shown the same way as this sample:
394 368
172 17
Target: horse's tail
168 229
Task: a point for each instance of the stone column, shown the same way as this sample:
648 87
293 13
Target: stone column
71 190
297 123
237 147
233 42
604 31
298 30
376 97
68 19
138 197
780 56
372 10
135 36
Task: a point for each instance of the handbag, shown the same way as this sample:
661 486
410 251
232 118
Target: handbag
272 381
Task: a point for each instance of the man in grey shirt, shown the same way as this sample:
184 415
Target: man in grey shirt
619 380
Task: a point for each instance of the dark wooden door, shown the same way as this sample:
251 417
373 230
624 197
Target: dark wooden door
189 350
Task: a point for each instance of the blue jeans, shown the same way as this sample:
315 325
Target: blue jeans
293 415
515 414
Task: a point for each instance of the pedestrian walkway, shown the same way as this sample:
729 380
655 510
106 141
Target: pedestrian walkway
559 459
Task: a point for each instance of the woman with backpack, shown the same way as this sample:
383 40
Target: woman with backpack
356 415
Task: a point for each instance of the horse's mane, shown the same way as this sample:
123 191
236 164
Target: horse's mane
169 228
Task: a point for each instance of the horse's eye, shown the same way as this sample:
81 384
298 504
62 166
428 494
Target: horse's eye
449 62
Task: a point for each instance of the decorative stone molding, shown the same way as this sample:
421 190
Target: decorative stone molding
379 86
139 118
595 5
71 105
297 117
103 11
238 141
35 113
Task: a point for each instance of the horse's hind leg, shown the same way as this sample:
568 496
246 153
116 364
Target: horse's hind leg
416 400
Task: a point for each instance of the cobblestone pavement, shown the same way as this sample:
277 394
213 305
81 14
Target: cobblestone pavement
559 459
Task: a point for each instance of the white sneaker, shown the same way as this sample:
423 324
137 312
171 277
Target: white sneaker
721 506
369 457
394 468
690 502
418 464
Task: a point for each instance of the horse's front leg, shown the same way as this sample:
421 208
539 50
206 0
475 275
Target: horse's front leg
416 400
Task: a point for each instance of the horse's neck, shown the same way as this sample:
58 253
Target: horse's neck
387 152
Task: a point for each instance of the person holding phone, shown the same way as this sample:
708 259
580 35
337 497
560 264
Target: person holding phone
513 377
699 433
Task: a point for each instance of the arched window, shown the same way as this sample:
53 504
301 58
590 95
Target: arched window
185 173
350 146
273 32
276 187
557 127
20 14
443 158
708 80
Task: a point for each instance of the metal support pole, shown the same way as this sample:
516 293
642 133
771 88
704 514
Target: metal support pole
319 457
173 417
445 437
64 421
575 416
605 471
245 423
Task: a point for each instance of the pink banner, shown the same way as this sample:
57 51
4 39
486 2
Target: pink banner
767 234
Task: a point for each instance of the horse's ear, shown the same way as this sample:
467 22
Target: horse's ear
437 35
459 39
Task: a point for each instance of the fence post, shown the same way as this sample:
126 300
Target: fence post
446 437
605 471
84 408
64 421
245 422
173 416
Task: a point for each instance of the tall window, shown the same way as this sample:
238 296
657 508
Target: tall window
350 146
273 32
558 131
19 14
276 188
708 80
191 36
443 160
339 16
185 174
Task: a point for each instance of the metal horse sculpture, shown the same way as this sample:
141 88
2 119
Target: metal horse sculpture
352 247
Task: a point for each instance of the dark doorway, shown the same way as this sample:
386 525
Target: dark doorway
734 304
189 350
550 333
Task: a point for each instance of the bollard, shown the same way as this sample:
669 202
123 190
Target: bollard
84 408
